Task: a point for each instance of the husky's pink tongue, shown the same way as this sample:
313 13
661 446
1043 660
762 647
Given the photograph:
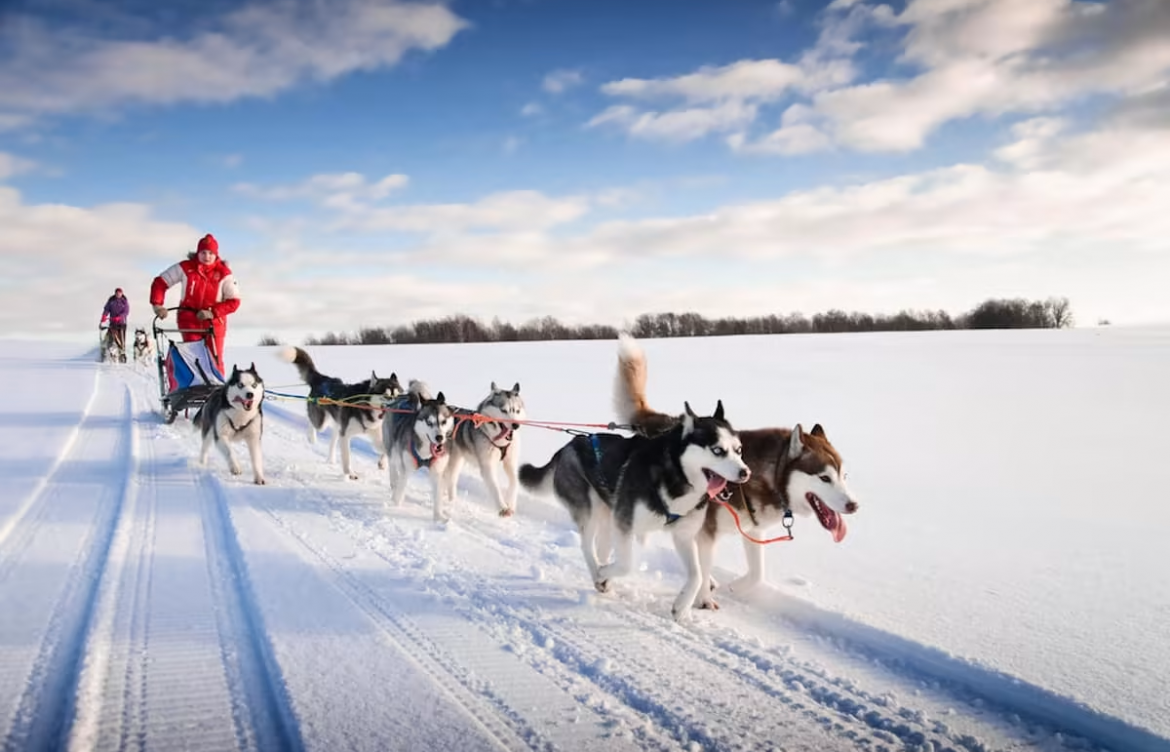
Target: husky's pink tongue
437 450
715 484
839 532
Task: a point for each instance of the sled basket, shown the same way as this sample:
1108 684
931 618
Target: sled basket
189 364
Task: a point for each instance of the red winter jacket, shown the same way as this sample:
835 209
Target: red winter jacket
204 286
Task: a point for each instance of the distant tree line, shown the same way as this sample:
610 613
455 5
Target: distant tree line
1016 313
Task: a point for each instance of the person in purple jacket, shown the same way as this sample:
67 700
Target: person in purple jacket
117 311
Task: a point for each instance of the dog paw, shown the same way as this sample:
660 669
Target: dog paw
680 615
383 463
236 471
260 481
708 604
352 476
601 585
507 512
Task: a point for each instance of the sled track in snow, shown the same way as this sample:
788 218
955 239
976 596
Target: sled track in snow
166 656
45 703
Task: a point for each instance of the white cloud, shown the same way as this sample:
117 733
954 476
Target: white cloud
965 58
342 190
993 57
718 99
255 51
532 109
69 260
508 210
12 165
678 125
232 161
559 81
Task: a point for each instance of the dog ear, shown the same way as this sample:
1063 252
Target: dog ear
252 366
796 442
415 400
818 431
719 410
516 388
688 421
441 399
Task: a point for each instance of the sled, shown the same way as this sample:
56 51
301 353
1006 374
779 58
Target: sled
187 375
108 350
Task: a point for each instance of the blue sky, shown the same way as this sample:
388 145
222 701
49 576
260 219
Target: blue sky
366 162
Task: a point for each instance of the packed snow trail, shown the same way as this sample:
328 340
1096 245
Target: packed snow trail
150 603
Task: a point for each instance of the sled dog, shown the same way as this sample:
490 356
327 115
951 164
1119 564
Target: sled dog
235 412
143 347
419 438
791 469
490 444
363 412
617 488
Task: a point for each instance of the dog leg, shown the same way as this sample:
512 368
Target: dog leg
346 458
487 470
588 538
604 533
440 513
705 546
398 479
451 476
233 463
205 450
257 457
333 444
512 471
754 553
688 551
623 560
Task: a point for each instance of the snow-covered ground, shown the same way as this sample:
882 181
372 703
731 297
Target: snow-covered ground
1003 585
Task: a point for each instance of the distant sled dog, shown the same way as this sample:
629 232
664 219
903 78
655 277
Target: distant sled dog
619 488
363 410
234 412
490 444
143 347
420 437
790 469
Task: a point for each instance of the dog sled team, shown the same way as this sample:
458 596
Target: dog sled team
694 476
677 474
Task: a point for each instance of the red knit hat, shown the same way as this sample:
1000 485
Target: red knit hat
208 243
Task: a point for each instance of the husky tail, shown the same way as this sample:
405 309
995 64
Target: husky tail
305 365
539 479
629 391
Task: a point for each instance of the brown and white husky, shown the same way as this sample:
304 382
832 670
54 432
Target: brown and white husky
791 469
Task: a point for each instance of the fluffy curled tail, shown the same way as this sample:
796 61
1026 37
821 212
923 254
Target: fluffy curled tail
304 364
629 391
537 479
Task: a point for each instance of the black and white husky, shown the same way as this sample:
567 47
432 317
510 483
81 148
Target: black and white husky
363 412
490 444
143 347
618 488
419 437
232 413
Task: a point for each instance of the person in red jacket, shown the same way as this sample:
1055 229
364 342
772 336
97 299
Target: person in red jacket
209 289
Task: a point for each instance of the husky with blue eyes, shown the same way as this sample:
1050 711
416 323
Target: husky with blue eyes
418 434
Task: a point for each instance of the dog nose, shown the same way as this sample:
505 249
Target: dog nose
439 439
850 507
248 395
744 475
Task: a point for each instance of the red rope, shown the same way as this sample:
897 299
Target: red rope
739 527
